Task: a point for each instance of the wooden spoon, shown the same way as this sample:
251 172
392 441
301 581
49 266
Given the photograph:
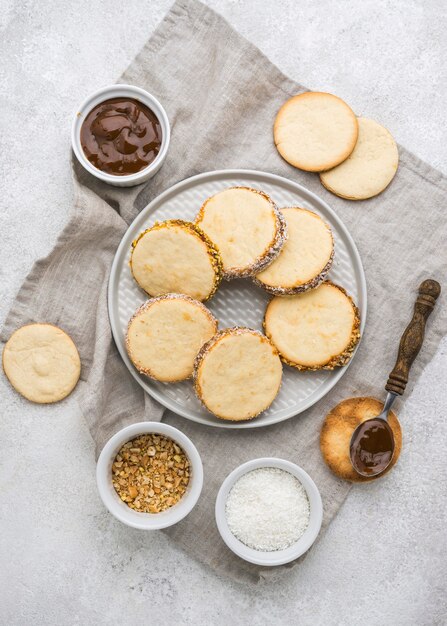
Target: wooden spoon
372 443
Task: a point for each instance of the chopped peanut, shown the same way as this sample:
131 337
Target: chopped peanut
150 473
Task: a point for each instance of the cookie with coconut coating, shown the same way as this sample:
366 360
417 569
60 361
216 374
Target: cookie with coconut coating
176 257
306 257
247 228
318 329
165 334
237 374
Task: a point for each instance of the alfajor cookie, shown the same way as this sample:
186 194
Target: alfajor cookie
306 257
315 131
337 430
237 374
165 334
247 228
176 257
42 363
315 330
369 169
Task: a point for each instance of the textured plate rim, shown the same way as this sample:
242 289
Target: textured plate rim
121 253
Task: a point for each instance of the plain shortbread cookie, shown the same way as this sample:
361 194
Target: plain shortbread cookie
369 169
337 431
42 363
315 131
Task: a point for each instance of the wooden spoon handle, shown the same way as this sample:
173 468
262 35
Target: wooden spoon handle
413 336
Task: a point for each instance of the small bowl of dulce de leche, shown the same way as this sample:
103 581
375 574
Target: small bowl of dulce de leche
121 135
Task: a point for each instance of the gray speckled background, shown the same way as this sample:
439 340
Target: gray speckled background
64 560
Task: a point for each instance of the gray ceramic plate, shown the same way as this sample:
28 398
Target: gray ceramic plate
239 302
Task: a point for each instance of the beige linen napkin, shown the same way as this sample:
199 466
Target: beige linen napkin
221 95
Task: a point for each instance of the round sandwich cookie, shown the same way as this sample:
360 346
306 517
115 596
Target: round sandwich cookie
337 430
315 131
237 374
247 228
369 169
42 363
165 334
306 257
176 257
315 330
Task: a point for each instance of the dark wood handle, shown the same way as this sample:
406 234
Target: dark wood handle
413 337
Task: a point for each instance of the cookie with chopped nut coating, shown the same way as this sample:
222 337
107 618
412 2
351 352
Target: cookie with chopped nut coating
176 257
318 329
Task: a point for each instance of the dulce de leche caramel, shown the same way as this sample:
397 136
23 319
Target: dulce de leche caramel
373 447
121 136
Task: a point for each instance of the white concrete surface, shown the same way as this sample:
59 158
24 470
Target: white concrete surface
63 559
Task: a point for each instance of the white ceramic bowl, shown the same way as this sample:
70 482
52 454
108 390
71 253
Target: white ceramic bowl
118 508
278 557
121 91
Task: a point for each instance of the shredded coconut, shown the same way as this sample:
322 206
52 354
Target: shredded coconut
267 509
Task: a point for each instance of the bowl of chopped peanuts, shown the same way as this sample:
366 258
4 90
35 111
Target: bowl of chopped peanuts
149 475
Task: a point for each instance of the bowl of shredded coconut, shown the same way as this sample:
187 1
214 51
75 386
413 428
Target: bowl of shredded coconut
269 511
